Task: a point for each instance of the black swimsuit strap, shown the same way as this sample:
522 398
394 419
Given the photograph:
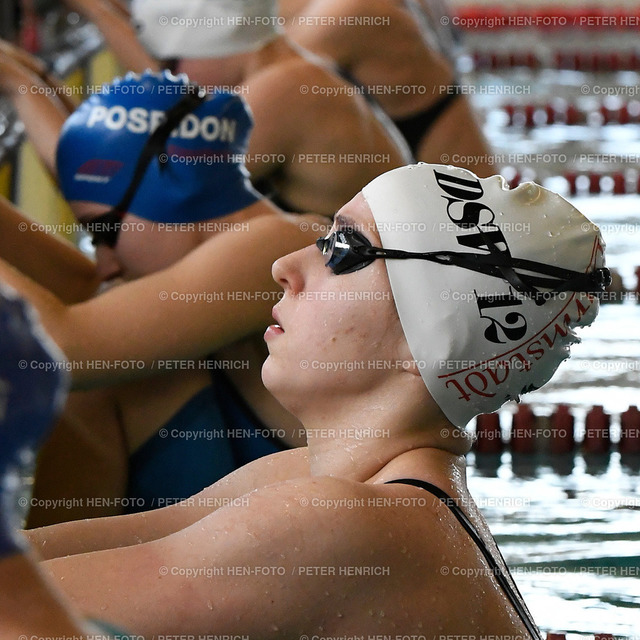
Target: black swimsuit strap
433 113
509 589
415 127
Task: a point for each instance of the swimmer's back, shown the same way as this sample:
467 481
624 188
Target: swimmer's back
382 44
387 46
330 140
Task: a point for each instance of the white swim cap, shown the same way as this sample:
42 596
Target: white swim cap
204 28
481 318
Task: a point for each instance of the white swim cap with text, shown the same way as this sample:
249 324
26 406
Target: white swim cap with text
492 314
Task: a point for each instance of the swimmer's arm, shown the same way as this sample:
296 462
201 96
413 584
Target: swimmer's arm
121 7
39 108
44 258
151 322
82 536
38 67
30 606
245 570
118 33
277 134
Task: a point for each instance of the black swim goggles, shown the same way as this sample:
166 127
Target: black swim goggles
105 228
349 250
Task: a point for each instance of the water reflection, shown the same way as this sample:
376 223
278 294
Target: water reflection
569 528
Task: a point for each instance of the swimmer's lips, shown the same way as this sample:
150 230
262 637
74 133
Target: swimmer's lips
273 329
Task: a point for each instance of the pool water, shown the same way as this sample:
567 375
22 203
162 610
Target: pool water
569 529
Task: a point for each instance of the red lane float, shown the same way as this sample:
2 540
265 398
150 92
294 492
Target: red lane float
571 60
596 431
488 434
551 16
532 115
561 425
618 183
630 431
556 434
523 430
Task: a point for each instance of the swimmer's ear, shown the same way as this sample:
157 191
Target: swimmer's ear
411 367
408 363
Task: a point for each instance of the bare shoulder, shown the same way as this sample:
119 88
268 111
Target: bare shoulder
347 521
266 471
330 537
260 565
294 84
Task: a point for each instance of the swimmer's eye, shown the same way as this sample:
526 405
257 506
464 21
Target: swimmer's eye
348 251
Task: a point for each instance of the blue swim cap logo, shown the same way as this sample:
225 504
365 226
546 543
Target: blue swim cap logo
144 122
98 171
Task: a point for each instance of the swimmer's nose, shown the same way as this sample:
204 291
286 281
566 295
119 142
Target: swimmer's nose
288 270
107 263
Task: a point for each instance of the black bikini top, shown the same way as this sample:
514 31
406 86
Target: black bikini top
510 591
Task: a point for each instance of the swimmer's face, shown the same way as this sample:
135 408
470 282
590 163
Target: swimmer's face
141 247
338 334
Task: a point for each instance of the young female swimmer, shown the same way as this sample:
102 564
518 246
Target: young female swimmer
371 529
177 225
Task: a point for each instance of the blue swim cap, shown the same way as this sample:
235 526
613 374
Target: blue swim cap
197 174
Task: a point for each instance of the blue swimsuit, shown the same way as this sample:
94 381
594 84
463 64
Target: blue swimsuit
194 448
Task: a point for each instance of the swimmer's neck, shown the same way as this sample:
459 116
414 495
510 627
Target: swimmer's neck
380 464
379 443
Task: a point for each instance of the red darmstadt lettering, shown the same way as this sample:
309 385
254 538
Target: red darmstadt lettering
486 377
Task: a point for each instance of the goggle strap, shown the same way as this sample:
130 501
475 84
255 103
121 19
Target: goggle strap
157 140
503 265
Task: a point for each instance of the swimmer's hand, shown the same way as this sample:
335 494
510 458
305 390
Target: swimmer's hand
32 388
